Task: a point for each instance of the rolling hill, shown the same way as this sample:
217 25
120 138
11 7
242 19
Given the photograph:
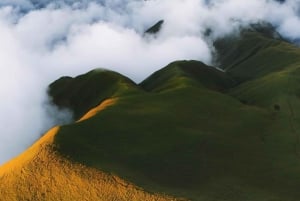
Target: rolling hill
189 131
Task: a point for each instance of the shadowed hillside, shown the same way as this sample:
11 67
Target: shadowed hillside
84 92
257 51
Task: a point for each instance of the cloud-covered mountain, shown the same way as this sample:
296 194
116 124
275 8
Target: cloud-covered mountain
43 40
187 131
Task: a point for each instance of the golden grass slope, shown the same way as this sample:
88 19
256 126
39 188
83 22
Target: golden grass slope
42 174
101 106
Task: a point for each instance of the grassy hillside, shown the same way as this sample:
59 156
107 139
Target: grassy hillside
199 134
175 73
40 173
187 131
84 92
173 142
256 52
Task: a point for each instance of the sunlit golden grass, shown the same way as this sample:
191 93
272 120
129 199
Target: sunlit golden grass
101 106
42 174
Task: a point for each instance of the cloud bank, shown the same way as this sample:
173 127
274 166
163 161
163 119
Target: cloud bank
42 40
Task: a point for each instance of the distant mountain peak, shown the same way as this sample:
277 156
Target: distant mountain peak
155 28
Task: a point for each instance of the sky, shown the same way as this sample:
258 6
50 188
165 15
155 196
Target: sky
42 40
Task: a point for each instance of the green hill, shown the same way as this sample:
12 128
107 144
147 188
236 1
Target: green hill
177 73
257 51
199 134
82 93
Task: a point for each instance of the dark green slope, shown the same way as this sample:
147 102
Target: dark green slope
266 65
194 132
174 141
192 71
257 51
84 92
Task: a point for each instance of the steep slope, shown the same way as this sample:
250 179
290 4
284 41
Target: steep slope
257 51
266 65
41 173
84 92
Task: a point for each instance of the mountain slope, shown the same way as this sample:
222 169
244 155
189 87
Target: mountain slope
257 51
193 135
40 173
192 71
165 141
181 137
84 92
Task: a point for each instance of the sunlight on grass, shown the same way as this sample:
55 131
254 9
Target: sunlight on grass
97 109
41 173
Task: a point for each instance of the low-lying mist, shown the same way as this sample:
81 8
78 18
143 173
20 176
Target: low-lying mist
43 40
